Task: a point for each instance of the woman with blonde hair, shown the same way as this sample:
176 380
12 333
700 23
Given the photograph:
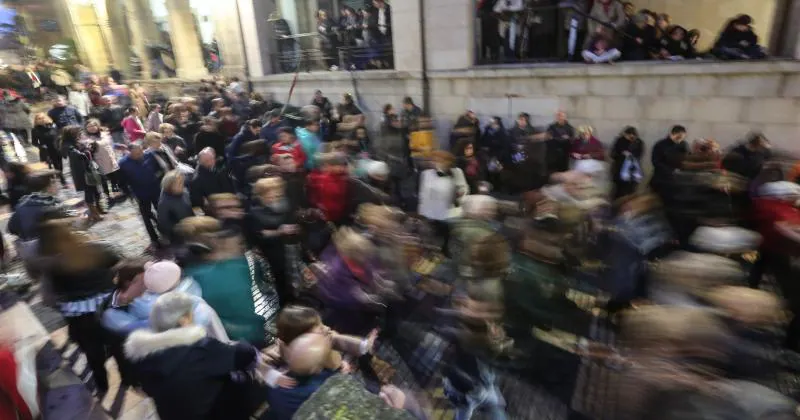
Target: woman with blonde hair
81 273
586 145
44 136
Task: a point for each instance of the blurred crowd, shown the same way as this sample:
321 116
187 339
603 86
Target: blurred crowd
288 248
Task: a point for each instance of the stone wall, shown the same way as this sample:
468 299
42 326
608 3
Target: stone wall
374 89
719 100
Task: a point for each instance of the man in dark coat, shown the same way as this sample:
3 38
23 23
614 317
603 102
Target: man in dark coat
270 131
249 132
381 18
527 169
142 180
64 115
561 135
208 180
747 159
187 374
667 157
323 103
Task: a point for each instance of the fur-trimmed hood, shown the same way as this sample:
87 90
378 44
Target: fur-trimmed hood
143 343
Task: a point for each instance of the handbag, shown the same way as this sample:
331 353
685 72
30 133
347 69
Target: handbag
631 171
92 175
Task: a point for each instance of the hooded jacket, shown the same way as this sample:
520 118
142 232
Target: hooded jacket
187 374
30 211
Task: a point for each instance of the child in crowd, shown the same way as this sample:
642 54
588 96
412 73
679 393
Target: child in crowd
289 145
294 321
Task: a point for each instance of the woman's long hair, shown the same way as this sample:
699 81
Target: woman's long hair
69 136
58 240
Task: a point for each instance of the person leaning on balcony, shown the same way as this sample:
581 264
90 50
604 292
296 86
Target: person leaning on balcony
610 12
328 42
382 19
738 41
638 38
676 45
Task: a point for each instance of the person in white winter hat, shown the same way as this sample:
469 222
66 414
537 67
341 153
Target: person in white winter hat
777 219
165 276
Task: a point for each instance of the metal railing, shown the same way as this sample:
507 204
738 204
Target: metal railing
561 37
307 52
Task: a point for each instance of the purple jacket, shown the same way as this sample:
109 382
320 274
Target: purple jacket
338 289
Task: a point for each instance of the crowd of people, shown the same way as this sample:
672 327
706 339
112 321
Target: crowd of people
285 243
602 31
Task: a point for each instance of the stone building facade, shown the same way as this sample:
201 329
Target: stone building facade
713 99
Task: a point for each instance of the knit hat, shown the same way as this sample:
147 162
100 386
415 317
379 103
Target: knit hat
779 189
590 166
725 240
162 276
378 169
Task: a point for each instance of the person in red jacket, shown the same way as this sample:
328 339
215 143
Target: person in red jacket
287 144
12 405
328 187
586 146
777 219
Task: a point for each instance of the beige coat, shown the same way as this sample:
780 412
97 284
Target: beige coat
105 157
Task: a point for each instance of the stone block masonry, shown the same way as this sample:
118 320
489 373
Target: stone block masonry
718 100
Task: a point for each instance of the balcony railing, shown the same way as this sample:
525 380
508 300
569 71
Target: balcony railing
296 55
555 33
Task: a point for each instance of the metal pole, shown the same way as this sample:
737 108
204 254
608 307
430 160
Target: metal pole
244 48
426 86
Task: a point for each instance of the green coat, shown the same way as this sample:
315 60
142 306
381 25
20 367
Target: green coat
227 287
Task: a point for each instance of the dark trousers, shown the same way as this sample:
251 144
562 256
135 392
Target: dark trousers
56 161
88 334
780 266
91 195
116 344
115 184
622 189
442 230
148 217
276 257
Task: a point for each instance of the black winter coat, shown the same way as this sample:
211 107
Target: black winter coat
188 375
